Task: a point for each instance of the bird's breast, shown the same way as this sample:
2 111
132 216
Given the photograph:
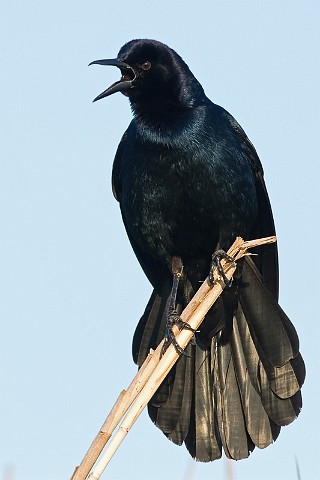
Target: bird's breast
182 202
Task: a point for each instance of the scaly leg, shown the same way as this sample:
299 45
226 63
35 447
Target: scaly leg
173 318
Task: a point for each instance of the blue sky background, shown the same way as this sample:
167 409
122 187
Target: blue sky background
66 319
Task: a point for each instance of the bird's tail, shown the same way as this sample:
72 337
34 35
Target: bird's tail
233 392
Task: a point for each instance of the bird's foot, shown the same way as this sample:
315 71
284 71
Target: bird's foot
216 263
174 319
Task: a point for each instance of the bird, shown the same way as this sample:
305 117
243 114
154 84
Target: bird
189 181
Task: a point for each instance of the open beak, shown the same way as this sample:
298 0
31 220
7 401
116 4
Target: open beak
121 85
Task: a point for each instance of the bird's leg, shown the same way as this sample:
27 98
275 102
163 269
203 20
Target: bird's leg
172 316
216 263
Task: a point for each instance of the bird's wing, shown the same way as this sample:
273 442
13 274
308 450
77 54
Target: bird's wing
154 270
267 258
116 169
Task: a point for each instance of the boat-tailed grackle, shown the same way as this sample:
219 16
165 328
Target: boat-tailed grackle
188 181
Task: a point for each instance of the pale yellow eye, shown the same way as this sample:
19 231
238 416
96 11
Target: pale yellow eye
146 66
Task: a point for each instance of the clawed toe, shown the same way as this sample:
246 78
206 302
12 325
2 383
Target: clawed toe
174 319
216 263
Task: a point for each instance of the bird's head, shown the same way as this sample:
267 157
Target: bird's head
153 74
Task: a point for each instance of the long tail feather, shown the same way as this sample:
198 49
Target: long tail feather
241 381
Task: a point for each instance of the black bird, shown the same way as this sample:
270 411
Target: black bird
188 181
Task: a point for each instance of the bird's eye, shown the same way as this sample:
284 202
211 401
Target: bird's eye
146 66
